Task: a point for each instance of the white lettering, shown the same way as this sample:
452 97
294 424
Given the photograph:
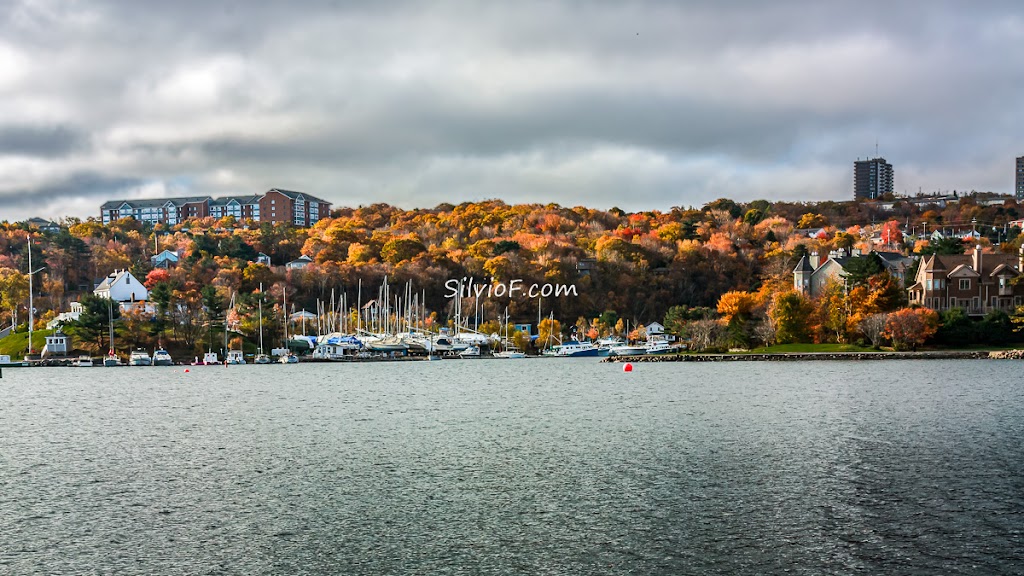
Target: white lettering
453 286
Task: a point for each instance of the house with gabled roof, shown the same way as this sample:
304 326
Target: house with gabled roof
811 275
978 283
121 286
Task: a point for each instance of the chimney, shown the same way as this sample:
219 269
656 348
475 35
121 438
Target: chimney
815 260
977 258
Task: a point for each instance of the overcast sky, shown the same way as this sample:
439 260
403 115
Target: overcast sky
641 105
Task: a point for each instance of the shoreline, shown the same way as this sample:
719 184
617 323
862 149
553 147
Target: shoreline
811 356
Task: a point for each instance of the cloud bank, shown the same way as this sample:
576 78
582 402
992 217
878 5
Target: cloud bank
638 105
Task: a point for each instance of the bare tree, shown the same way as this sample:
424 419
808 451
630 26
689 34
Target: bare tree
872 328
702 333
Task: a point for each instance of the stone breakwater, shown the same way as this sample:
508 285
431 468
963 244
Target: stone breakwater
790 357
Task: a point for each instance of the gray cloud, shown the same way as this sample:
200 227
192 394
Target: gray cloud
641 105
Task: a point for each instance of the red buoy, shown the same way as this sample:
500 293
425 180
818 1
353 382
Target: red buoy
627 367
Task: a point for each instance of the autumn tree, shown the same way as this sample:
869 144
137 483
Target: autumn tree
13 290
873 328
908 328
790 314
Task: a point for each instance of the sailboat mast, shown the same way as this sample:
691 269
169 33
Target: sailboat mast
261 317
31 305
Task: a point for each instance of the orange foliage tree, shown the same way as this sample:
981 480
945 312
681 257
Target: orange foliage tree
908 328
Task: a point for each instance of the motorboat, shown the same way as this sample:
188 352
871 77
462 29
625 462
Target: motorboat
659 347
337 346
139 358
235 357
162 358
470 352
627 350
289 358
510 352
262 358
82 362
574 349
6 362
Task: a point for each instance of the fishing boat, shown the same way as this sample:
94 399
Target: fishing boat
82 362
5 362
209 359
139 358
162 358
235 357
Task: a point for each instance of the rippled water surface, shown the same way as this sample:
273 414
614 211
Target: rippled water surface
515 467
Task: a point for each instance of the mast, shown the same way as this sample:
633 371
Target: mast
261 317
31 305
110 323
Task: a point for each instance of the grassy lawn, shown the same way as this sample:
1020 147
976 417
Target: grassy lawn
811 348
16 344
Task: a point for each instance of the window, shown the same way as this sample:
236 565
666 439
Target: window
965 283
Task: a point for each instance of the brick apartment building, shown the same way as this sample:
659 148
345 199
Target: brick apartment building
275 205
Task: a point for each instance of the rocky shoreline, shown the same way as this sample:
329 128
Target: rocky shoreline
803 356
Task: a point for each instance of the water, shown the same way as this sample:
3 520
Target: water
515 467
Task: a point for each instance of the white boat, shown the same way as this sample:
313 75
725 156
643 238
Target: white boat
139 358
627 350
209 359
5 362
470 352
162 358
288 358
235 357
83 362
262 358
659 347
111 360
574 349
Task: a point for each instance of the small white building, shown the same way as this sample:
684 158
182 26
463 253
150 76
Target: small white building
299 263
56 345
121 286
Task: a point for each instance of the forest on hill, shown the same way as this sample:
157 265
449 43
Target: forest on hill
727 265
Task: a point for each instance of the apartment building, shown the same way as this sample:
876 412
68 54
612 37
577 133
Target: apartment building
276 205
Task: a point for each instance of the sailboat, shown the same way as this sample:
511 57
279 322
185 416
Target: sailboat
288 357
111 360
231 356
508 351
261 358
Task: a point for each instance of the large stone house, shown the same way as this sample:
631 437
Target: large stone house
811 275
977 282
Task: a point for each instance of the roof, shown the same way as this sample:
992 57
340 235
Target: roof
224 200
804 265
153 202
294 194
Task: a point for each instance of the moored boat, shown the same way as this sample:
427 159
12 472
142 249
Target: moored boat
289 358
235 357
262 358
82 362
111 360
627 350
576 349
139 358
162 358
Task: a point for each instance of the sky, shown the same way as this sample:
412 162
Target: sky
640 105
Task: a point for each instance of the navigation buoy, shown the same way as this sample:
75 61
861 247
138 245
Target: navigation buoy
627 367
186 370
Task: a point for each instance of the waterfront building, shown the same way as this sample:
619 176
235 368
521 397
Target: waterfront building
872 179
977 282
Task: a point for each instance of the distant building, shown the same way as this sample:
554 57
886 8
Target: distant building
872 179
299 263
977 282
165 259
43 225
1020 178
275 205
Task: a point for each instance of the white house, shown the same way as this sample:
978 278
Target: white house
299 263
121 286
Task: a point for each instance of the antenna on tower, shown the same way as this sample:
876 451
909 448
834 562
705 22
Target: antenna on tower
876 147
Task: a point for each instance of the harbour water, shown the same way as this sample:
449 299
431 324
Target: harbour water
515 467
